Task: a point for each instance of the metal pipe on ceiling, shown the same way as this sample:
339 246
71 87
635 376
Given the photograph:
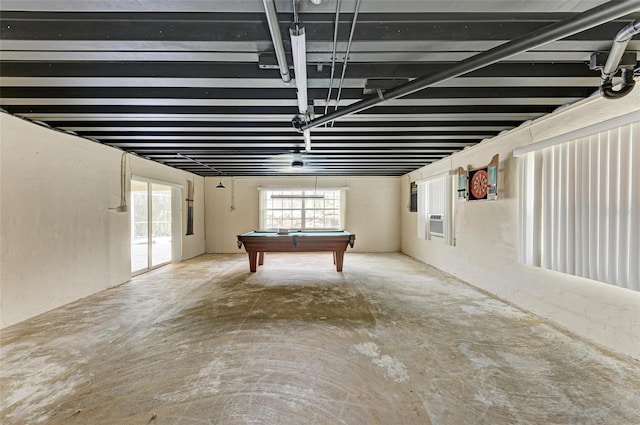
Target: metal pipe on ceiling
179 155
619 46
346 58
613 61
333 55
276 38
346 54
581 22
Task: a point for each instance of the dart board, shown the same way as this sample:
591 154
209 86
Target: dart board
479 184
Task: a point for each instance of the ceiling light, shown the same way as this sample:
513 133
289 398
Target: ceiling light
299 52
220 185
297 161
307 140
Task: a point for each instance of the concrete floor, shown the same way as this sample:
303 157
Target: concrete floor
388 341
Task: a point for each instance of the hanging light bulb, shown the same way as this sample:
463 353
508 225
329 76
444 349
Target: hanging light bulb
220 185
297 161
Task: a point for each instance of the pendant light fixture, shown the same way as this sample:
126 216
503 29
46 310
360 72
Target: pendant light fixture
297 161
220 185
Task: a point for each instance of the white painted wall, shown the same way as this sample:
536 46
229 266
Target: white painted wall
59 239
373 212
486 251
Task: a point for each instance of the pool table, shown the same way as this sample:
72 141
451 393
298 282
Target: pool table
257 242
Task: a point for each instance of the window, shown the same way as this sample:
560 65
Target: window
302 209
580 206
435 208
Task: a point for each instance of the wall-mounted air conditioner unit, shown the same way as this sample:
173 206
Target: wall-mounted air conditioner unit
436 225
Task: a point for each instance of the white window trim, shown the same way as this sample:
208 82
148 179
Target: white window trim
264 190
156 181
580 133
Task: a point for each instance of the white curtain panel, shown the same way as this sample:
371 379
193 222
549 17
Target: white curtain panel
580 207
422 211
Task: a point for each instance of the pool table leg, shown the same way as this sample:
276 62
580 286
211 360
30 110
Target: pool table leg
253 257
261 258
339 256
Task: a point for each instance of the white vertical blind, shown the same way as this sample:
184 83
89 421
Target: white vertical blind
448 211
530 208
589 196
422 213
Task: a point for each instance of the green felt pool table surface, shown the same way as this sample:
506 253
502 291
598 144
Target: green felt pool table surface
298 233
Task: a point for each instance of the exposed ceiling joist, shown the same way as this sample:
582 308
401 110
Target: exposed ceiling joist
200 78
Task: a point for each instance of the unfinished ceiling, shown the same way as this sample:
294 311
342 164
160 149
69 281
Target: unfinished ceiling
196 84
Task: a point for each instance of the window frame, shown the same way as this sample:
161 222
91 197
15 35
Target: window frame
305 195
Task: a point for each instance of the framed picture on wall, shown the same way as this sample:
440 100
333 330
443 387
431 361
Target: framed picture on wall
492 171
190 190
413 197
461 185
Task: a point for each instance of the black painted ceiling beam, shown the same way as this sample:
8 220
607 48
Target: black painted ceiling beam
273 93
292 110
252 26
202 83
250 70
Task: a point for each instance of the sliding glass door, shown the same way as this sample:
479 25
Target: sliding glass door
153 224
139 226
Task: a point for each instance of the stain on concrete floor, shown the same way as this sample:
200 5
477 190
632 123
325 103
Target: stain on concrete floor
388 341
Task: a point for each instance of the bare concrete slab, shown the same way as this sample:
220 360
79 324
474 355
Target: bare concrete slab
388 341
